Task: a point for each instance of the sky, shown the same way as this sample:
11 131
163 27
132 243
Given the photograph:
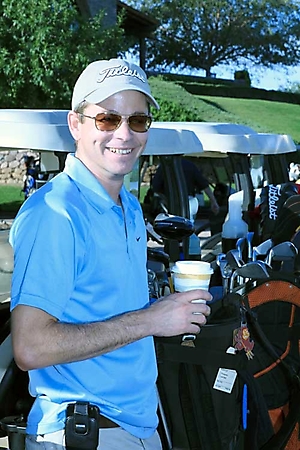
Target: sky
276 79
262 78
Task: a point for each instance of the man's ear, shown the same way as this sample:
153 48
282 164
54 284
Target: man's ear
74 125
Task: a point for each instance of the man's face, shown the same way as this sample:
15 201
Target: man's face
110 155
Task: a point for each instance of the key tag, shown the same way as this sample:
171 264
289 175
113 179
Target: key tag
242 340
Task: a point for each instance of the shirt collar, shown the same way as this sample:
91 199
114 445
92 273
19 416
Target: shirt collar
92 189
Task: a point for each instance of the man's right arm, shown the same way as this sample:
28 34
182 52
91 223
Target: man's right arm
40 340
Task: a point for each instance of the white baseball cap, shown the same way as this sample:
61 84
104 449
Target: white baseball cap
101 79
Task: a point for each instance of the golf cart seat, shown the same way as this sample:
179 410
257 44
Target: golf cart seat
15 400
15 405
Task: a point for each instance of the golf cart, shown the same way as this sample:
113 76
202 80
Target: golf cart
46 132
234 158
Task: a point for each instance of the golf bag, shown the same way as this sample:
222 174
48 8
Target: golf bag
201 393
273 316
32 169
261 408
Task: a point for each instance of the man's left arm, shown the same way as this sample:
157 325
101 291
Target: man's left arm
213 202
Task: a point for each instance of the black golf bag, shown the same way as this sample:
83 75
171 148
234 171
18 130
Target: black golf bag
201 393
250 350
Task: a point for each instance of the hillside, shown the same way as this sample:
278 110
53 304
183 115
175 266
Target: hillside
267 116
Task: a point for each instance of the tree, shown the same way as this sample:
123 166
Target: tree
44 47
294 88
200 34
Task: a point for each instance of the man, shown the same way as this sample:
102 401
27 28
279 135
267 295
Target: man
195 183
81 320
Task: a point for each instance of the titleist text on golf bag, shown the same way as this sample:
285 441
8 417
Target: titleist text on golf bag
273 198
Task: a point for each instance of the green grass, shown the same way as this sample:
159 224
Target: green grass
143 192
263 116
11 198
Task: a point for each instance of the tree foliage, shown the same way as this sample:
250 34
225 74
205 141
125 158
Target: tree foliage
294 88
44 47
200 34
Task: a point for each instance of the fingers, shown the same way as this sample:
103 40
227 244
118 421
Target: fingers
200 317
204 310
180 313
195 326
198 320
198 309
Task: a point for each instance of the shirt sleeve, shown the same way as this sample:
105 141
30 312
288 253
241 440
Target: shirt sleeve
158 181
46 258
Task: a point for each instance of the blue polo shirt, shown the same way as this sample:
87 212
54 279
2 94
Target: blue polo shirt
81 259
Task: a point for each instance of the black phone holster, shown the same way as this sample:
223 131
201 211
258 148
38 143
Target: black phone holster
82 426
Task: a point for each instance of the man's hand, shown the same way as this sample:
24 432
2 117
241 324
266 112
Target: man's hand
177 314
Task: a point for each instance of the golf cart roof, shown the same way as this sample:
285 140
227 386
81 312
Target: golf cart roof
47 130
38 130
223 138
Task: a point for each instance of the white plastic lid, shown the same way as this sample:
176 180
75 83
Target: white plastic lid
192 267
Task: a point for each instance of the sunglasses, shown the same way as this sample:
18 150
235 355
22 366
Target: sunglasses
106 121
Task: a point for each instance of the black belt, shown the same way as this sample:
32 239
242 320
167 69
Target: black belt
104 422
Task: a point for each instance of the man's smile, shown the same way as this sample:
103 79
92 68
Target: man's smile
120 151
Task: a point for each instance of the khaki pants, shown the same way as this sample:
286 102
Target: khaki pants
109 439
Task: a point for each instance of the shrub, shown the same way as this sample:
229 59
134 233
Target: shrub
242 75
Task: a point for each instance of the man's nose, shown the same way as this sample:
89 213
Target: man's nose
124 131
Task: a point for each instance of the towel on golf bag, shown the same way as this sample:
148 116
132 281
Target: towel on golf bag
199 415
273 319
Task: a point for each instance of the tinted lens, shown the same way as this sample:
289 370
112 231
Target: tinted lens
139 123
107 122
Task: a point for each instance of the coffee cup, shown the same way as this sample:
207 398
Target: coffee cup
189 275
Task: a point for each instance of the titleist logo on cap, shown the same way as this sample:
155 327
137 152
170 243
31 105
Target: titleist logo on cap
119 71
